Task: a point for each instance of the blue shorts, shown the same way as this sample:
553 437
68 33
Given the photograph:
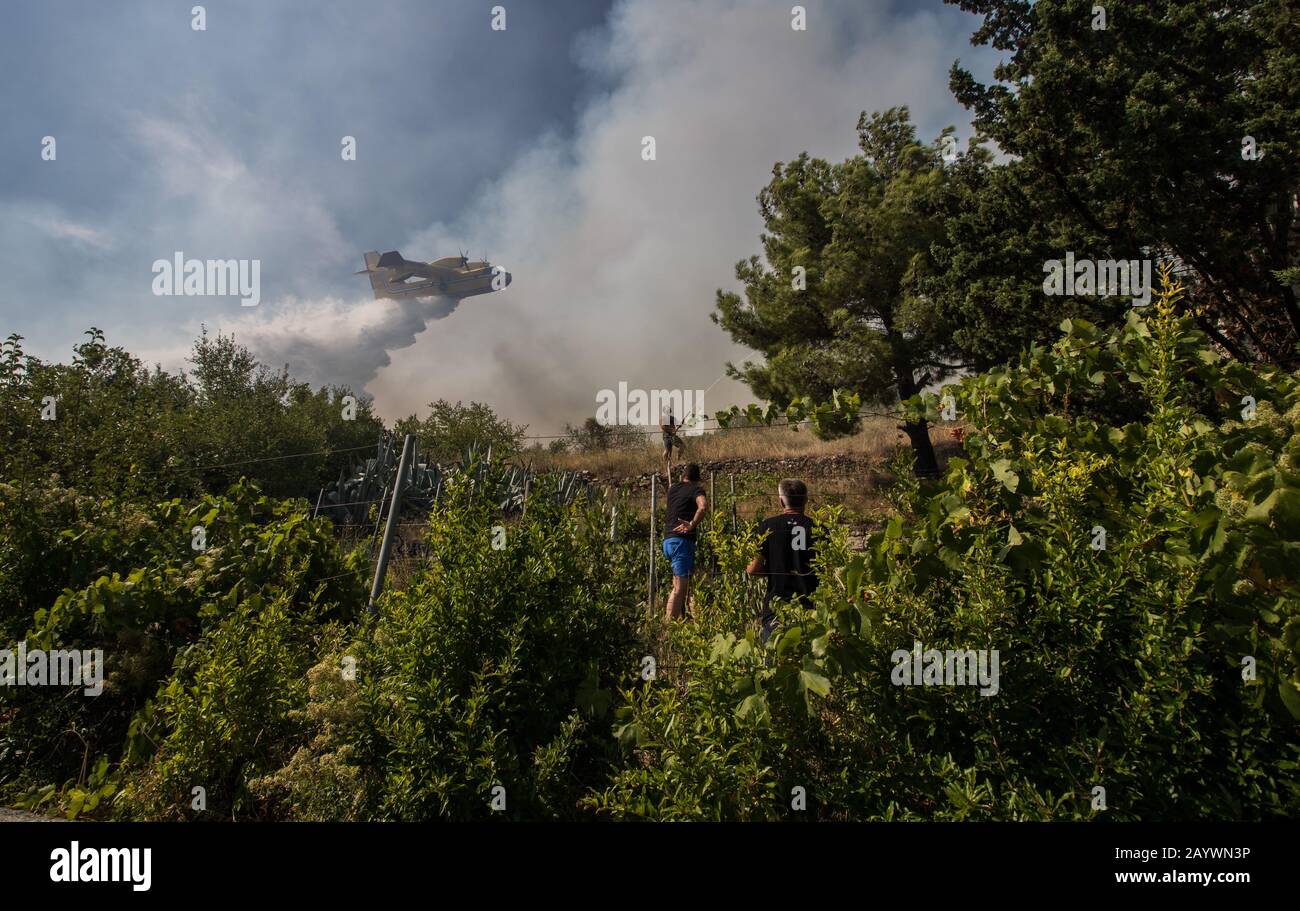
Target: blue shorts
681 553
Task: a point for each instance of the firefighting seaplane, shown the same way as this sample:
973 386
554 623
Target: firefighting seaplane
392 275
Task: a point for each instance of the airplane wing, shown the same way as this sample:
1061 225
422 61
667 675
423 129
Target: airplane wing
392 261
405 268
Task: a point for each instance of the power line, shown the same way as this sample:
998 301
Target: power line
295 455
628 430
560 436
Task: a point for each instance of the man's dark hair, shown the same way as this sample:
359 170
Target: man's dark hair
794 491
691 472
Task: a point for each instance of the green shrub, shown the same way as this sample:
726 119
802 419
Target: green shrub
146 598
1160 669
1127 668
480 673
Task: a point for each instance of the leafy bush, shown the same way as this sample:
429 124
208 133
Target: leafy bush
593 436
1122 533
449 431
147 599
1162 668
118 429
492 668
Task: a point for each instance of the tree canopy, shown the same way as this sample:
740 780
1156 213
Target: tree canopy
836 304
1158 129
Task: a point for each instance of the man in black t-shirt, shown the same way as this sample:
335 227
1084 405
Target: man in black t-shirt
786 553
687 505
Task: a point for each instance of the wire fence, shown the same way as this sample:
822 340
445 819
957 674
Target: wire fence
726 503
723 511
328 451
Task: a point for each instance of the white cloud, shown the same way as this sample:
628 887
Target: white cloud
211 204
51 221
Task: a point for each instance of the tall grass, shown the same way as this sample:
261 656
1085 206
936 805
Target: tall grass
875 441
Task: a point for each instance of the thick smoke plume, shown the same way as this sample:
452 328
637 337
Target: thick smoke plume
616 258
337 342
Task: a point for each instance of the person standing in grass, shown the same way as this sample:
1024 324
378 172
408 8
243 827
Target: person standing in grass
786 554
669 426
687 505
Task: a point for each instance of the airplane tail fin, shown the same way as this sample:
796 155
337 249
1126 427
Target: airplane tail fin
378 282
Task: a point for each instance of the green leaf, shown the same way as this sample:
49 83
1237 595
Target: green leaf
1290 698
853 576
1281 507
811 680
753 707
820 644
722 647
788 639
1002 472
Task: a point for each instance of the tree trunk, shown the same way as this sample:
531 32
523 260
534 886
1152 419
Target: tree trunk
927 466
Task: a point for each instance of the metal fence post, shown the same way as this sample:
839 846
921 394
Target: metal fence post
713 498
654 506
733 502
391 528
379 517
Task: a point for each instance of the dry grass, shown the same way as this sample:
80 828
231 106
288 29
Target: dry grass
404 558
849 472
877 439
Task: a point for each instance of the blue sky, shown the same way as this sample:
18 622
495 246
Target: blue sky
522 144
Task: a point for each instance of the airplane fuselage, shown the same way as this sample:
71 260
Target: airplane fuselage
393 276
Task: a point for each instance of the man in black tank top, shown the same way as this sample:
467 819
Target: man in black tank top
786 554
687 505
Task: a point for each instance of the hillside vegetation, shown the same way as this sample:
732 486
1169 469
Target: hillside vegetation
1154 677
